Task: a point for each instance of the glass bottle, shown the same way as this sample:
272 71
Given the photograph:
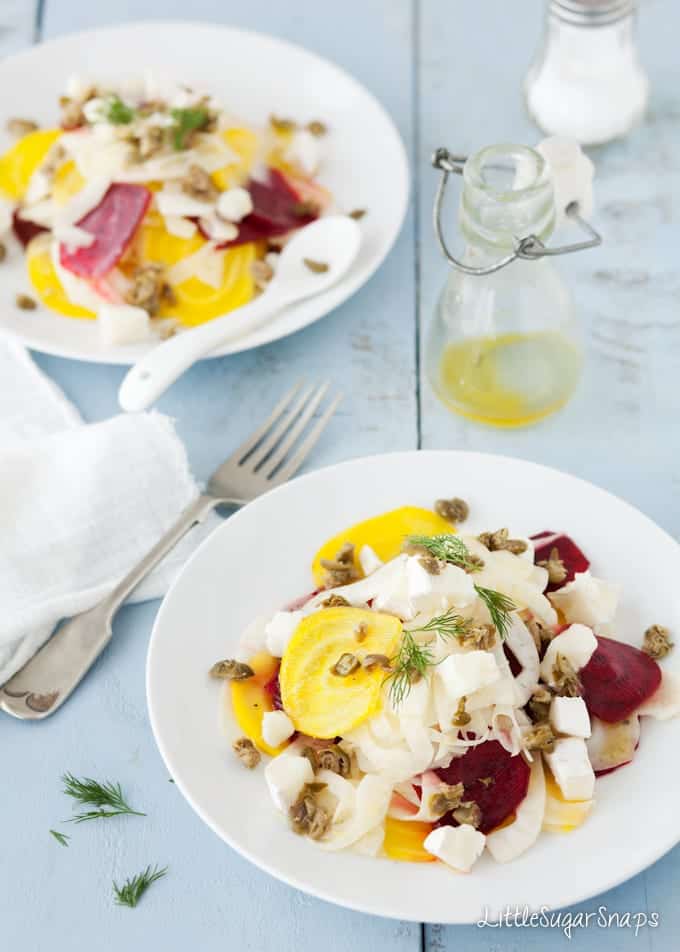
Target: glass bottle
503 348
586 81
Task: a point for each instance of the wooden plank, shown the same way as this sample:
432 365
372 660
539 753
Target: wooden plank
621 428
211 899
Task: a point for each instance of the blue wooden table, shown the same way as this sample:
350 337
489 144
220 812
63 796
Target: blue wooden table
449 73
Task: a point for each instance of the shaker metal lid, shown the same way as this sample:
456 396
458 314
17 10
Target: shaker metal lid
591 12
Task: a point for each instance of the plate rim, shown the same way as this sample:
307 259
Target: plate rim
347 287
577 896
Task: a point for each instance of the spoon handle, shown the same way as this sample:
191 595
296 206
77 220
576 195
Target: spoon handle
157 370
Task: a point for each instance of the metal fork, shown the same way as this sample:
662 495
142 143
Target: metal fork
269 457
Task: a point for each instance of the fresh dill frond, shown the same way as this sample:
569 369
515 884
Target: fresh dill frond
107 797
410 664
499 607
187 121
118 112
134 888
60 837
447 547
448 625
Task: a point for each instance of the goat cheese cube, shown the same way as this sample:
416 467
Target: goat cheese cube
464 673
587 600
234 204
458 846
279 630
577 644
304 151
123 324
276 727
569 715
571 768
368 560
286 775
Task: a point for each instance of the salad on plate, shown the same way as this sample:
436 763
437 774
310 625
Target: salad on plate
443 694
149 207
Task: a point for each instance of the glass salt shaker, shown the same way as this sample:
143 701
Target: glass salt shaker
586 81
504 346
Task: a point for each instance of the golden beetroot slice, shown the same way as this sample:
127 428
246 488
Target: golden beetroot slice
617 680
573 558
495 780
113 223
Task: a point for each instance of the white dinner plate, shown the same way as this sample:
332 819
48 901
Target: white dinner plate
254 75
260 559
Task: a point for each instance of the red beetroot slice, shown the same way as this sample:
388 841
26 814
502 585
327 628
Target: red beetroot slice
573 558
25 230
617 680
276 210
496 800
113 223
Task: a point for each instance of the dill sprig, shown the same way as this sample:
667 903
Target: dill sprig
134 888
187 121
118 112
448 625
447 547
60 837
499 607
410 664
88 792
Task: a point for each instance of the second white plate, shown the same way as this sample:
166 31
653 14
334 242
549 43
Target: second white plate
366 165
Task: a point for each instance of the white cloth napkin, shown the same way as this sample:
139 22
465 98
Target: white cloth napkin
79 505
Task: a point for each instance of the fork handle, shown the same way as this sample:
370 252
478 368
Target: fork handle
49 677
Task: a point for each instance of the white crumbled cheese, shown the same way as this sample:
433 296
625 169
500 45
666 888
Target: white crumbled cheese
95 109
77 87
571 768
276 727
279 630
253 639
569 715
458 846
180 227
286 775
123 324
368 560
234 204
463 674
402 588
217 229
587 600
304 151
577 644
38 189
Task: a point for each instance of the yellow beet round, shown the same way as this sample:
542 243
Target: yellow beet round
319 702
385 534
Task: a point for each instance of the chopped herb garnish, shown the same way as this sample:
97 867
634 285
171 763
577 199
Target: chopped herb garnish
60 837
448 625
186 122
119 113
133 889
107 797
499 607
448 548
410 665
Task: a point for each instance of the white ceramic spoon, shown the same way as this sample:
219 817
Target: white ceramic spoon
333 241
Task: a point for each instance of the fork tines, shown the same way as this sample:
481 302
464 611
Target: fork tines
280 446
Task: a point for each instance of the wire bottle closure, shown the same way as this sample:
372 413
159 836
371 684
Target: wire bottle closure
529 248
